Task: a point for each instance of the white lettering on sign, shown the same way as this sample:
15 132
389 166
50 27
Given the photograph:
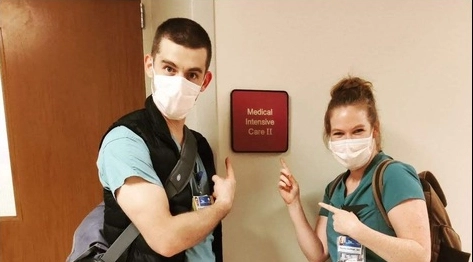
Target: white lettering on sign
254 130
259 122
259 112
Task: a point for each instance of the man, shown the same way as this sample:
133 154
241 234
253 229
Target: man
139 151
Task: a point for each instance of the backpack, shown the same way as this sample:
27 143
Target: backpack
445 242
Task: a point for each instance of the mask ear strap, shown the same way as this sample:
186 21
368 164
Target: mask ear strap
152 67
152 79
198 93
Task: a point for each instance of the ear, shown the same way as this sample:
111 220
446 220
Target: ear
377 135
376 131
207 79
148 63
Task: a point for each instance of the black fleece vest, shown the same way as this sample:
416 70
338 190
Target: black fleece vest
150 125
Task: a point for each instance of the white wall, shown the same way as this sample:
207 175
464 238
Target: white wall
416 53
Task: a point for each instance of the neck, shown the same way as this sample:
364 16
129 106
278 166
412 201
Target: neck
176 128
358 174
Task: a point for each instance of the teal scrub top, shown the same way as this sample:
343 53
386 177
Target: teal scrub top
400 182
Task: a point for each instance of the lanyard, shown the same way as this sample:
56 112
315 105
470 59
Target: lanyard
196 185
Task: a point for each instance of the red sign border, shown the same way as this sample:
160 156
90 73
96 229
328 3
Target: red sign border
232 122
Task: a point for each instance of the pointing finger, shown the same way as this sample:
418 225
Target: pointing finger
329 207
228 165
285 171
283 163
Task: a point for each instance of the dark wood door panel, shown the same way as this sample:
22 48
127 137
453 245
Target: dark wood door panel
70 69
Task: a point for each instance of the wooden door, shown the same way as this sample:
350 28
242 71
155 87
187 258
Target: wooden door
69 69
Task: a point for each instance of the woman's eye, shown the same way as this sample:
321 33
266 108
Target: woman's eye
359 131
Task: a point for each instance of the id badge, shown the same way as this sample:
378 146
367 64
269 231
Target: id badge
199 202
349 250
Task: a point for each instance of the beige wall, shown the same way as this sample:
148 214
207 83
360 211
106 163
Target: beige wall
416 53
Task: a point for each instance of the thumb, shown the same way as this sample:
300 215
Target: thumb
291 179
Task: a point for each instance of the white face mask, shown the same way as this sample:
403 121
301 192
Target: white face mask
352 153
174 96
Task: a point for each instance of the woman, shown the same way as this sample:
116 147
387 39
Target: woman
349 226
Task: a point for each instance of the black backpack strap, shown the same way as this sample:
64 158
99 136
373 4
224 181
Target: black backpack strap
120 244
181 173
377 186
334 184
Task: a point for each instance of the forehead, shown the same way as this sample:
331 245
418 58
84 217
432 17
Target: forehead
348 117
184 58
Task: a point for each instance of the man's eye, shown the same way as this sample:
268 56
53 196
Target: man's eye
168 69
193 76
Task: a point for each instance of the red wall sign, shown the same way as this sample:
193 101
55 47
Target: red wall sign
259 120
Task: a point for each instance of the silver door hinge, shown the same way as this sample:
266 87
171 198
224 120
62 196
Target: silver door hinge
142 12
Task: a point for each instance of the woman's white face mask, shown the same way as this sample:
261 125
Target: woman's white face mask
352 153
174 96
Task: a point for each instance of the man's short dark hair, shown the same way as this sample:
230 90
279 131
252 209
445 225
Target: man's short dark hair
185 32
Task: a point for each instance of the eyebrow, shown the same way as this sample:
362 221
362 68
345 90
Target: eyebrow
359 126
192 69
353 128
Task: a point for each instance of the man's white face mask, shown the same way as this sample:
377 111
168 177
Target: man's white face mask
174 96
